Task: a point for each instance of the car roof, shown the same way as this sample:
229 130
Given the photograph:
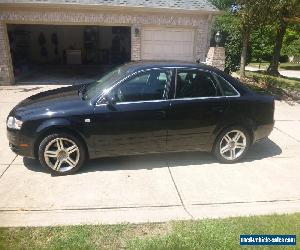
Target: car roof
140 65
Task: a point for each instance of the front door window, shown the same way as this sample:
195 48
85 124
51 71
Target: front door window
146 86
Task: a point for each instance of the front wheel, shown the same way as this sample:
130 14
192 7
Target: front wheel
61 154
231 145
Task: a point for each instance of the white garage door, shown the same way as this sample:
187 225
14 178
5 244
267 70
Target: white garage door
167 43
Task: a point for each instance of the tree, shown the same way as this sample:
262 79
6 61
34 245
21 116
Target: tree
291 41
283 11
252 13
228 25
222 4
262 43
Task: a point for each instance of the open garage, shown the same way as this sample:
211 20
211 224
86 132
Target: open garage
64 53
67 42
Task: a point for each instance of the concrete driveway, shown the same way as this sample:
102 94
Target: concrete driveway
152 187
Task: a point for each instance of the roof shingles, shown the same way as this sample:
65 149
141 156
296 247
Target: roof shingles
170 4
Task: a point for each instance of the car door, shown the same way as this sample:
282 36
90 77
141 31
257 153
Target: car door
135 121
195 111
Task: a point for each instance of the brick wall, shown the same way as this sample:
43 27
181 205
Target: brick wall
135 43
201 24
5 74
216 57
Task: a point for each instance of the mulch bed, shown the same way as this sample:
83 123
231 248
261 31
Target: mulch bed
280 93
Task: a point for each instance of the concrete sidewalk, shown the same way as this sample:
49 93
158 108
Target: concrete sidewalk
152 188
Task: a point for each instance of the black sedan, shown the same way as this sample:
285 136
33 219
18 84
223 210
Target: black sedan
139 108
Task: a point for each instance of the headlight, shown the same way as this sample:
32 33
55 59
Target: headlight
14 123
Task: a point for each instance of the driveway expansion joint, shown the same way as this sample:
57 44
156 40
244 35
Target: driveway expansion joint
83 208
287 134
178 193
285 120
245 202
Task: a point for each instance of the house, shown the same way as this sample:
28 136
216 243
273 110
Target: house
53 36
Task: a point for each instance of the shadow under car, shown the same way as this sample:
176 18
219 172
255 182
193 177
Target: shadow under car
263 149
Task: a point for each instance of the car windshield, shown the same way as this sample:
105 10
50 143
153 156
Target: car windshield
95 88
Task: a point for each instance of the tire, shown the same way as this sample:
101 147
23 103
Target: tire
61 153
227 149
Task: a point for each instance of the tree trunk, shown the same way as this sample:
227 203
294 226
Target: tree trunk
245 42
273 68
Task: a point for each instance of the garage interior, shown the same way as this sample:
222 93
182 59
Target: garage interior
65 54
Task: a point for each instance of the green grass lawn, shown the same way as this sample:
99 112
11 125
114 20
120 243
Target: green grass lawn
200 234
283 66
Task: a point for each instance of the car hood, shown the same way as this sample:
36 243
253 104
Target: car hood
56 101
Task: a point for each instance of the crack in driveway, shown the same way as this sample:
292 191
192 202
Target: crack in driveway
8 166
178 193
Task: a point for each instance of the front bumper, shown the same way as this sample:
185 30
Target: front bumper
17 143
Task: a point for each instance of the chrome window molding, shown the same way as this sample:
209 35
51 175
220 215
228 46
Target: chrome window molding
171 100
98 103
146 101
200 98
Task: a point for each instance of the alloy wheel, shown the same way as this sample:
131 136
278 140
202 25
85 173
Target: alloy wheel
61 154
233 144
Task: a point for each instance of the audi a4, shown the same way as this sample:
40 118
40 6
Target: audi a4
141 108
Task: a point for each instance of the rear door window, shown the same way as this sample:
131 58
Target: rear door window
225 87
192 83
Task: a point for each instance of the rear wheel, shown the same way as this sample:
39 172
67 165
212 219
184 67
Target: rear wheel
62 154
232 144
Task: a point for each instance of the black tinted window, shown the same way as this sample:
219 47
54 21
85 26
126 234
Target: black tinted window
104 82
195 83
150 85
225 87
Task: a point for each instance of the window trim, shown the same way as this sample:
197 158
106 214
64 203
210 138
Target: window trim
203 97
98 102
99 98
